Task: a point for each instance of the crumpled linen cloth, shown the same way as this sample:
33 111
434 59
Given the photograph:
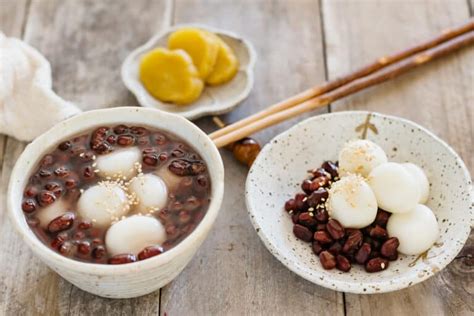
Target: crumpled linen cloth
28 105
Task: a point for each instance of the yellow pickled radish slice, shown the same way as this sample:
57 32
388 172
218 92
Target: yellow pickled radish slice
170 76
226 65
202 48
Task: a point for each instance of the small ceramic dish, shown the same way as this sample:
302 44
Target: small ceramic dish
128 280
282 164
214 99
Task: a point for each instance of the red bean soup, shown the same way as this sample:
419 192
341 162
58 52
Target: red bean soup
52 198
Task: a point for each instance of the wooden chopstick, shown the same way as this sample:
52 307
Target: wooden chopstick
338 82
375 78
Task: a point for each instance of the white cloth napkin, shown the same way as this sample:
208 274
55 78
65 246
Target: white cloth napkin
28 105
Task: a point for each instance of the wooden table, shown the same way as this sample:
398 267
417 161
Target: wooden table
300 43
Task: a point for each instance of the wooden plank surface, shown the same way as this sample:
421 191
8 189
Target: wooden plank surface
439 97
233 273
85 41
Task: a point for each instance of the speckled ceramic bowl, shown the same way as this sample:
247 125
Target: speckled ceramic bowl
127 280
281 166
213 100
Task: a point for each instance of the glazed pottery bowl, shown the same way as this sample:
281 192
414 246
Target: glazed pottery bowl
214 99
127 280
278 171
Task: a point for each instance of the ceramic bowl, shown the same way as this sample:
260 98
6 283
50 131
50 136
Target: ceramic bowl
213 100
279 169
128 280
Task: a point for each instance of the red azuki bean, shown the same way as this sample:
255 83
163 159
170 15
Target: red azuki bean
300 200
177 153
61 172
307 220
159 138
319 196
320 172
65 248
88 173
70 183
138 130
61 223
378 232
192 203
43 173
149 252
382 218
112 139
163 157
125 140
328 261
97 241
98 252
322 216
389 248
290 205
48 160
31 191
65 145
84 247
335 248
322 237
85 224
306 186
317 248
120 129
302 232
335 229
46 198
202 181
353 242
376 265
28 206
183 167
330 167
184 217
363 253
150 159
79 235
55 188
122 259
295 216
343 263
58 241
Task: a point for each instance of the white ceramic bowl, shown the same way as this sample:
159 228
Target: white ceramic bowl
129 280
278 171
214 99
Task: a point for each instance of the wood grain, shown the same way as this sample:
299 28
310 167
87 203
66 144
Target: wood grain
233 273
440 97
85 41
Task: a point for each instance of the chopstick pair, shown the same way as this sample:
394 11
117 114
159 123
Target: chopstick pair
383 69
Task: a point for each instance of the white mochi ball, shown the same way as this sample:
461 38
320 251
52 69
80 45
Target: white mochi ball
416 230
103 203
352 202
421 179
119 163
47 214
132 234
360 156
151 192
395 188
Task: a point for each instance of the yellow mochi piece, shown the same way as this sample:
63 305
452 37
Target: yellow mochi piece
226 65
170 76
200 45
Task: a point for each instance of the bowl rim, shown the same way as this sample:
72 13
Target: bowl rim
339 285
202 110
94 118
